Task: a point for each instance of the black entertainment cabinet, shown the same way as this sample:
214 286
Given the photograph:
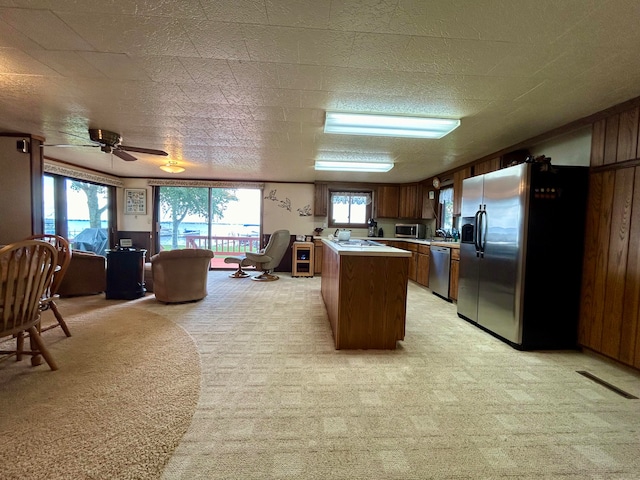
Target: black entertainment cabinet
125 274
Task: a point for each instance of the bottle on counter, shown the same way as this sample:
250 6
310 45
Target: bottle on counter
380 233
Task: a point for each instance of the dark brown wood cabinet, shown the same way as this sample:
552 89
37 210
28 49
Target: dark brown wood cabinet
458 177
317 256
387 201
454 273
365 297
321 200
413 261
408 202
422 265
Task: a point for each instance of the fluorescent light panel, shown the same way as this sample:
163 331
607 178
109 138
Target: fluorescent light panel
342 166
388 125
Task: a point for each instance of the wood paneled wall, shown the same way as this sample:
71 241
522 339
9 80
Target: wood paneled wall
609 315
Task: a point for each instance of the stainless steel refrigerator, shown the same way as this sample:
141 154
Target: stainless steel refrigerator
521 247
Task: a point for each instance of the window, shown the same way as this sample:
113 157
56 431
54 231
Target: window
446 200
349 209
78 211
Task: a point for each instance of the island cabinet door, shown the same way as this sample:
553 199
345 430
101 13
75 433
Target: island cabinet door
330 286
373 300
317 257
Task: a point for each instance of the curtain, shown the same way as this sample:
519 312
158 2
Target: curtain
354 198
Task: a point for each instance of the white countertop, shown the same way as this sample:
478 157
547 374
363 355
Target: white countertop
366 251
437 243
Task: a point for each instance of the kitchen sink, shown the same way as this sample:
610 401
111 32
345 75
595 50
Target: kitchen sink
360 243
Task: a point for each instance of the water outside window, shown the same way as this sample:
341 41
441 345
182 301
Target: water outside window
86 222
225 220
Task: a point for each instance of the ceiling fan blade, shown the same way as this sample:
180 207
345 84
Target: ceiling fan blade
123 155
150 151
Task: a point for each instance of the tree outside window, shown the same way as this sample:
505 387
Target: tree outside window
446 199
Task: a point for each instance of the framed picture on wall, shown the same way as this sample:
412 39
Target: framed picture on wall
135 201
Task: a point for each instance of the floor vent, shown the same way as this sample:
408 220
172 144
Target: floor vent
613 388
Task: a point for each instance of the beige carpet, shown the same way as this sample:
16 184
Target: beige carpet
452 402
277 401
124 394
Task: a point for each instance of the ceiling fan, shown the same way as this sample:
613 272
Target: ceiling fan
110 142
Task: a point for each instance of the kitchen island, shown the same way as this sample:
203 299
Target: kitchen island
364 288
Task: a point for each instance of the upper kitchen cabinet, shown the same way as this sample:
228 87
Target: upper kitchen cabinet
388 201
458 177
409 206
321 200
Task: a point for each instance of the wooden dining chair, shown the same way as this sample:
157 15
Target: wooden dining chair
26 272
64 259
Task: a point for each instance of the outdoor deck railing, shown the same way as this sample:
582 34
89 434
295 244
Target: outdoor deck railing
224 246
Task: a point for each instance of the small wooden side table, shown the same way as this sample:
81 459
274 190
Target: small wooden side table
302 262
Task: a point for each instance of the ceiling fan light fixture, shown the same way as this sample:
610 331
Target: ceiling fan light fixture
388 125
172 167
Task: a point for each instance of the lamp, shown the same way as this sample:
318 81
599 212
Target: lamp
353 166
388 125
172 167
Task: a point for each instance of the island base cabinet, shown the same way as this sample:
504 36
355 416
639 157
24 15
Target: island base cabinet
366 299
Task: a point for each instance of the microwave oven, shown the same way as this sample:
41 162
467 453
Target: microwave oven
411 230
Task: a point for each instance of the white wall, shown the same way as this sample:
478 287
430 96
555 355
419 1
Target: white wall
134 223
288 206
573 148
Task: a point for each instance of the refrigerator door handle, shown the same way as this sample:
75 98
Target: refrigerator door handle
485 227
476 240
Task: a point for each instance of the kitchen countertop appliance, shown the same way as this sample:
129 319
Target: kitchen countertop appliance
410 230
373 228
342 235
439 269
516 279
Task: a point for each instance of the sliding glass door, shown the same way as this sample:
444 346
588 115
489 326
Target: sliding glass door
225 220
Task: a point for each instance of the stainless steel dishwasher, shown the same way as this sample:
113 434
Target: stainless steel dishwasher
439 266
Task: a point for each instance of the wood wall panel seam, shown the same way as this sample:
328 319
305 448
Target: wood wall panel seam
617 262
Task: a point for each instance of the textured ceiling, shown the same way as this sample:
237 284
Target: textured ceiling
238 89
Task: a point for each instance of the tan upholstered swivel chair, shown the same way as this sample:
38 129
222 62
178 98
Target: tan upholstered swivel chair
265 260
180 275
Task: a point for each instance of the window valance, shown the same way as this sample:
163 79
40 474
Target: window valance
353 198
78 174
160 182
